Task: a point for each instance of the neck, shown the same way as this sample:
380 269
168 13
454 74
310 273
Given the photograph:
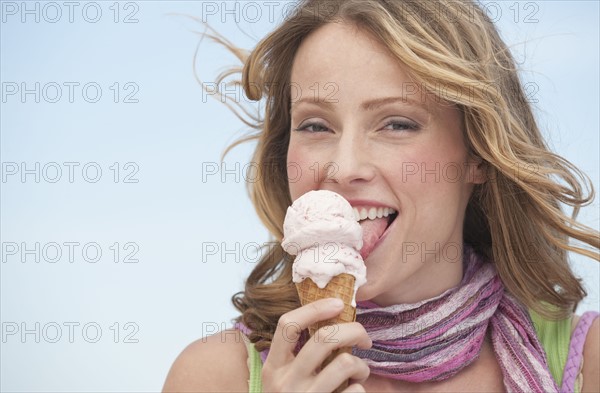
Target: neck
441 270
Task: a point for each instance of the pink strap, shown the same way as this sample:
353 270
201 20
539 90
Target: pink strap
242 328
573 365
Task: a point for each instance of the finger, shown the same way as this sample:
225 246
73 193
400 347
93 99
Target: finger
291 324
354 388
329 338
345 366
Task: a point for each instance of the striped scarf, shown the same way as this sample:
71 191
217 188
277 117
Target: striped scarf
436 338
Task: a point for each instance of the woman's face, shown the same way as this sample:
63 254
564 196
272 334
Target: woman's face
362 128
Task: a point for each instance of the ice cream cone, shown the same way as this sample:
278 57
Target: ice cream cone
317 223
342 287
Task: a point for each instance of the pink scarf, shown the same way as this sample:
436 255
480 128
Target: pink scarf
434 339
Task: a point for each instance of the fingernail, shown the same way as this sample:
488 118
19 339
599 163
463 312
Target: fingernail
337 303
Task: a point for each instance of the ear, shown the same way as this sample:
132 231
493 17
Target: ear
477 169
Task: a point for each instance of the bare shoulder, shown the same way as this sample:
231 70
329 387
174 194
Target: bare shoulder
591 359
217 363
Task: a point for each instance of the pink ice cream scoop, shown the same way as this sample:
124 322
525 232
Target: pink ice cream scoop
321 229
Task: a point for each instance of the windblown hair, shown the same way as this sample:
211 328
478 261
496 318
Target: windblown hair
454 52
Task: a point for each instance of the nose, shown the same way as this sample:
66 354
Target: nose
352 162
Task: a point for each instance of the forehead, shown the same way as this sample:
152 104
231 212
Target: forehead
344 60
341 52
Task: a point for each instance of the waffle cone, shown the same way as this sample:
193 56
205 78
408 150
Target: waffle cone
342 287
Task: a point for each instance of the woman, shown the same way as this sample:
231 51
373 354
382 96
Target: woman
415 106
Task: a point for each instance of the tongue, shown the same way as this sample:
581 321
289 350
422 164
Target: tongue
372 231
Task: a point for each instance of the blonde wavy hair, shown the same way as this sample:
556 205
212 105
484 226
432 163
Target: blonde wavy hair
515 218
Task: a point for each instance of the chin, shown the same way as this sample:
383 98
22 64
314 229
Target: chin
367 292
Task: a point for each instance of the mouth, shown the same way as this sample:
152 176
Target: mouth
375 223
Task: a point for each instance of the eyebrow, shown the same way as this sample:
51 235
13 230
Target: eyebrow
370 105
379 102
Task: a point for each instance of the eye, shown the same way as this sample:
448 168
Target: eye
312 127
401 125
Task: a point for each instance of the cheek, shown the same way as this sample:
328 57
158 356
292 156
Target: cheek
440 166
413 170
301 171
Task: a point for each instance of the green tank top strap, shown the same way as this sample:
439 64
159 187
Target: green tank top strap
255 368
555 337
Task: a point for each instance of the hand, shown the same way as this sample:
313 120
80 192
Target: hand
284 372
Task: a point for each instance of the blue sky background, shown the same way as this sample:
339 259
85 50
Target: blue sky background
159 210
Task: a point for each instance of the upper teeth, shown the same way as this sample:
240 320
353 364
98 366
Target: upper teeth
372 213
